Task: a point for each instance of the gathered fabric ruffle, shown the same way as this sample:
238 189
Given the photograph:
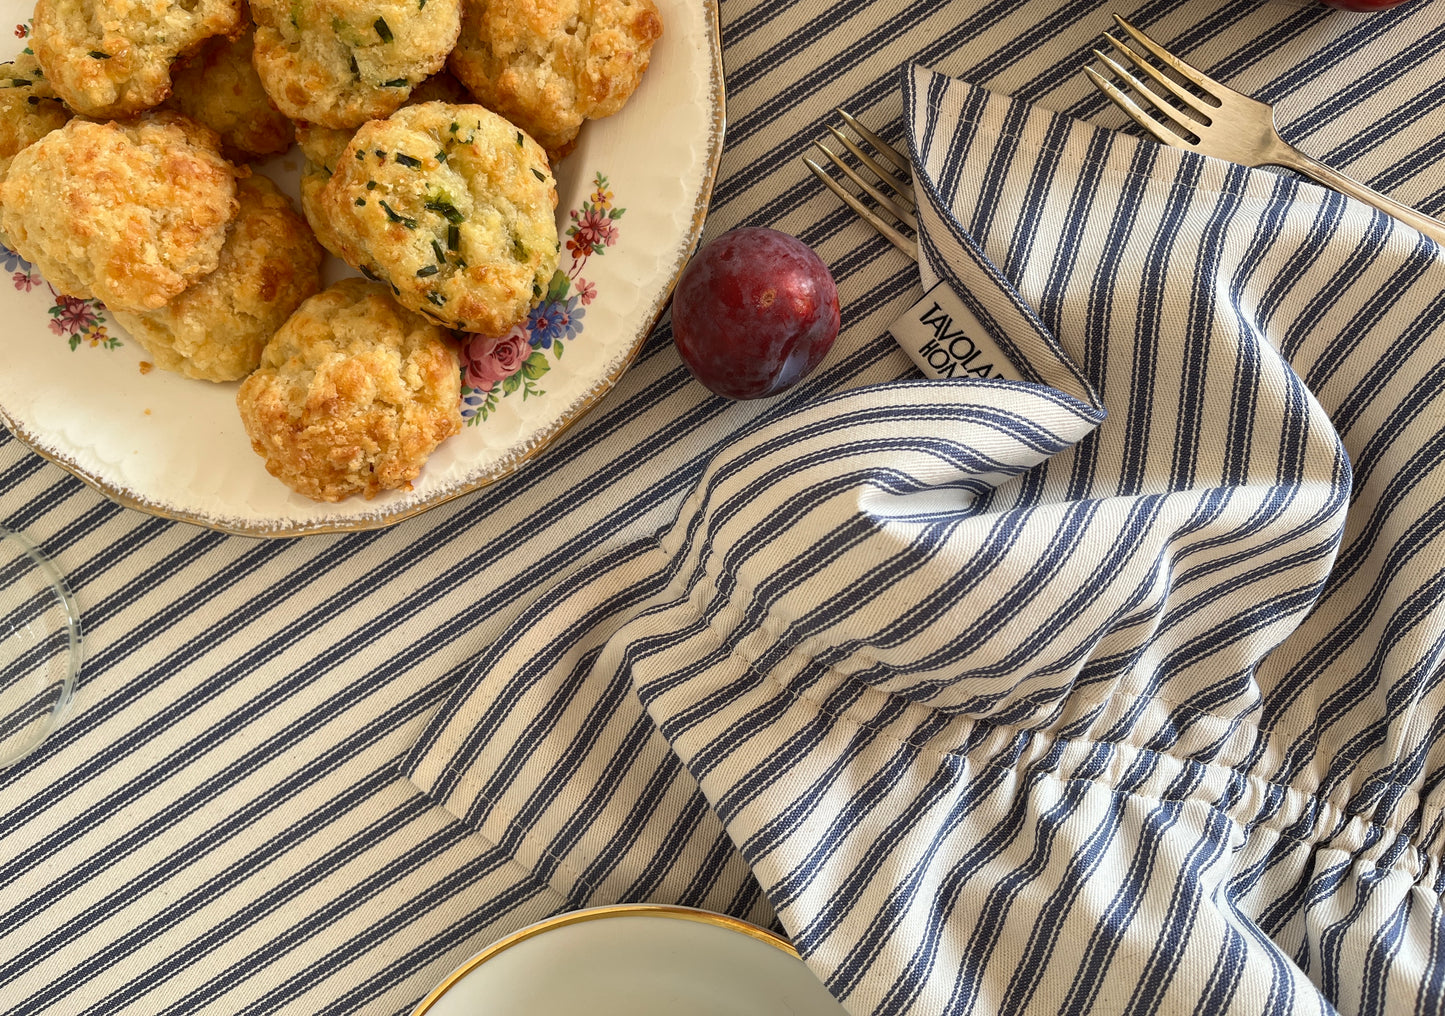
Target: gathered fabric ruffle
1114 690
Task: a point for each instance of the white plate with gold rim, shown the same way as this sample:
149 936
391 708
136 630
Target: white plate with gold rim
631 202
634 960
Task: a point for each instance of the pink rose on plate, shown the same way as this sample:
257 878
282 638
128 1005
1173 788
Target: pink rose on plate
489 359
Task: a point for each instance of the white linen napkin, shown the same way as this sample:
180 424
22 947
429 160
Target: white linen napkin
1008 704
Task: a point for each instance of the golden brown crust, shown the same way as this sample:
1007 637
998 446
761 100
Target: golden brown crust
29 107
547 65
216 329
323 146
353 395
338 63
112 58
219 87
453 207
130 213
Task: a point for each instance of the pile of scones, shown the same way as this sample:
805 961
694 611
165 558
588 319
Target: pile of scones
429 128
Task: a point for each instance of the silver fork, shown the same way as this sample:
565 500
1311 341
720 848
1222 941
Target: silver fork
893 208
1223 123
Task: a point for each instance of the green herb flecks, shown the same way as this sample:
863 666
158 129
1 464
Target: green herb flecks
394 217
454 238
383 30
408 161
422 273
539 174
445 209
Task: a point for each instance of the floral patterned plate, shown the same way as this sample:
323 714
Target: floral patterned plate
631 201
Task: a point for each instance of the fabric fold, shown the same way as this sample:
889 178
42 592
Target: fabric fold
1007 696
867 473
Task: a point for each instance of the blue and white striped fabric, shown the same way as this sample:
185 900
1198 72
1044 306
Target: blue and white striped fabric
1008 713
1118 693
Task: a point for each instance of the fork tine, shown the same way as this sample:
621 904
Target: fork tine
1131 107
904 214
1192 104
1185 70
894 237
884 148
888 179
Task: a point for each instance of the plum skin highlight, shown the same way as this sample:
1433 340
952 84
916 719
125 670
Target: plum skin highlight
754 312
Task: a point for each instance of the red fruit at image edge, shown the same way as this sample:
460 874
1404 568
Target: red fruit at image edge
1364 6
754 312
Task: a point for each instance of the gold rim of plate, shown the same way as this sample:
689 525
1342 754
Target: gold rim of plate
723 921
542 441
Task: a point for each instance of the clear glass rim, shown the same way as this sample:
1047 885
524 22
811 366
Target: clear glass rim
72 624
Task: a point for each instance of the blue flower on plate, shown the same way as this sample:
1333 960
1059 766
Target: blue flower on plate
12 261
555 319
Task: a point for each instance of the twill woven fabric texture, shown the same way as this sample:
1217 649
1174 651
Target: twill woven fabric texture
1010 709
1116 693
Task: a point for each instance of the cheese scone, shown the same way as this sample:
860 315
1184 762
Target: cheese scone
453 208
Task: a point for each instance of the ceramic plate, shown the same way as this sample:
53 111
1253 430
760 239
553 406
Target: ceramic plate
634 961
631 203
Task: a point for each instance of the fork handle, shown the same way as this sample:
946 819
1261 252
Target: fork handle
1424 224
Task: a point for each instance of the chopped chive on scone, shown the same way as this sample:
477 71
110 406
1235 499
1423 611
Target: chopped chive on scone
451 207
112 58
338 63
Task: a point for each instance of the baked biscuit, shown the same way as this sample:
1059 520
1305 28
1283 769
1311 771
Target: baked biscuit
452 206
130 213
338 63
323 146
547 65
353 394
112 58
216 329
219 87
29 107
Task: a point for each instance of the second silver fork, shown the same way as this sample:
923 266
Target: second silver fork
1215 120
892 208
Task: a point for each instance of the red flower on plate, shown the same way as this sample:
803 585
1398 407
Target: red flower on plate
594 230
72 316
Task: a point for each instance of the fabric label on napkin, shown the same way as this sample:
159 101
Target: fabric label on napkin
944 338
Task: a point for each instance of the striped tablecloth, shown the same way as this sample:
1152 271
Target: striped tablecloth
312 776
